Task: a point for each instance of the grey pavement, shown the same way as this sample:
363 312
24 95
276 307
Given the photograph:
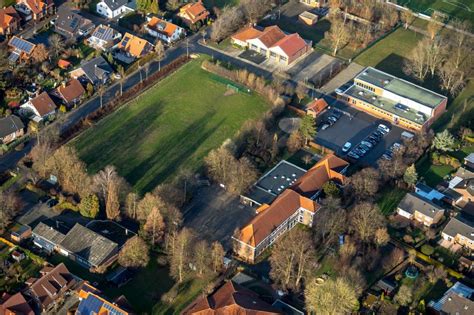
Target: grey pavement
342 77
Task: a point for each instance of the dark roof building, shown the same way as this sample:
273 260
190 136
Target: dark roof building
46 237
88 247
72 25
230 298
95 71
9 126
51 286
115 4
413 202
455 301
459 226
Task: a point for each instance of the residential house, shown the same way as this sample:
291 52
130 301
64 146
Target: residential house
103 38
20 232
46 237
461 187
286 308
469 161
95 71
401 102
72 25
420 209
90 302
429 193
14 305
11 128
41 107
64 64
70 93
20 48
114 8
230 298
9 20
295 204
51 287
164 30
457 300
458 232
273 43
88 248
315 3
194 12
38 8
316 107
134 46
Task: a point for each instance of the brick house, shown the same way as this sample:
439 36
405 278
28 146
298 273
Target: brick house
38 8
70 93
193 13
459 231
420 209
295 205
9 20
273 43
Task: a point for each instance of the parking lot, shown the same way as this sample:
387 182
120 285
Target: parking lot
355 126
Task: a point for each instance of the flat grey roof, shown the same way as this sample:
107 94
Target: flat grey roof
401 87
48 233
412 202
274 182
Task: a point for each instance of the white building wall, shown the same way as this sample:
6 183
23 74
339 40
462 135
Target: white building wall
405 101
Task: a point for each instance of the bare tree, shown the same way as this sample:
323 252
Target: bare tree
407 17
154 226
434 26
40 53
159 53
134 254
201 258
255 9
364 220
331 222
9 206
217 256
101 92
180 255
146 205
227 23
334 296
292 258
338 34
131 205
108 185
365 182
40 153
56 43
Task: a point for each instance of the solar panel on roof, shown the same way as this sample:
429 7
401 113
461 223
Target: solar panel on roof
91 305
13 57
112 310
22 45
125 41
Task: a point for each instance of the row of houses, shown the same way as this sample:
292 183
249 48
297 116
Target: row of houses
286 196
427 206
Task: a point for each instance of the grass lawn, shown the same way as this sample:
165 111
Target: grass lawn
461 9
432 174
390 53
187 293
146 287
389 200
170 127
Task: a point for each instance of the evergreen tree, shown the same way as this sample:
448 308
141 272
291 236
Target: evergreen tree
307 128
411 176
89 206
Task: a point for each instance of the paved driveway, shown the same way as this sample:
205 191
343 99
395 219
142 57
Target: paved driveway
215 214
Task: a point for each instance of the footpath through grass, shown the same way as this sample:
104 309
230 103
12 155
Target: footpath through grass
170 127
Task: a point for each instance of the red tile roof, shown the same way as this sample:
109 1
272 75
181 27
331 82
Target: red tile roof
291 44
14 304
317 105
194 12
168 29
73 90
230 299
43 104
271 35
270 217
247 33
8 16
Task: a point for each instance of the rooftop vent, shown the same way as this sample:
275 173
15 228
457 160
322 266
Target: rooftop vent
364 73
386 82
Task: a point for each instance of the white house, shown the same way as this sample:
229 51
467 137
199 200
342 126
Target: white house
164 30
113 8
103 37
40 107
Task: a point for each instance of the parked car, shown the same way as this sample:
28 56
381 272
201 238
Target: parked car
387 155
353 155
396 146
325 126
378 133
373 141
383 128
367 144
332 118
347 146
51 203
364 147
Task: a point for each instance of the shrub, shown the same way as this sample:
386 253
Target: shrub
435 158
455 163
427 250
408 239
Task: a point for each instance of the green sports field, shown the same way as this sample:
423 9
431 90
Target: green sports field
461 9
170 127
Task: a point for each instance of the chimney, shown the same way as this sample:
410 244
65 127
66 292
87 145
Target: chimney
63 84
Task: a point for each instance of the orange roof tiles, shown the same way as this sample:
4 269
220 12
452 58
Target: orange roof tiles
7 16
271 35
230 298
291 44
326 169
246 34
168 29
135 45
36 6
71 91
317 105
194 12
281 209
63 64
43 104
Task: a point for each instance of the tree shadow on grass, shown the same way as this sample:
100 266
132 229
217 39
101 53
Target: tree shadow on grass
174 153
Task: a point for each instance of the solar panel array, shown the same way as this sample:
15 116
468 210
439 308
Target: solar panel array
104 33
22 45
125 41
112 310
